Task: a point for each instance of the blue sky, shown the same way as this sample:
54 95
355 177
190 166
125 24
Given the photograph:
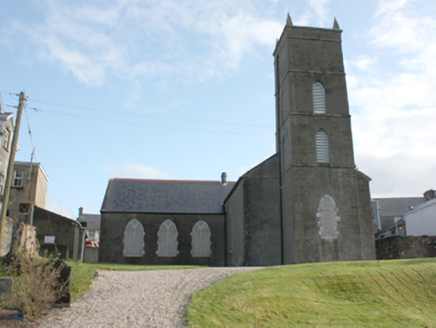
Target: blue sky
184 90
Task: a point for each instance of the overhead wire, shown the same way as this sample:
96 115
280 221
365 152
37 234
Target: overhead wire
29 130
147 115
99 119
39 109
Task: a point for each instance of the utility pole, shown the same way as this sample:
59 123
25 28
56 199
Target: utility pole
10 171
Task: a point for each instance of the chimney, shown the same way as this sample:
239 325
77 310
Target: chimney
80 211
430 194
224 178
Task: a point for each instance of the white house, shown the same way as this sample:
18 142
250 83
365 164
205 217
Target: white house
421 220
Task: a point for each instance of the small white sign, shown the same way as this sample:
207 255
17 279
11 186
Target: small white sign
49 239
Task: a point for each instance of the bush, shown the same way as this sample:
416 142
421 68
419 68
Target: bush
36 287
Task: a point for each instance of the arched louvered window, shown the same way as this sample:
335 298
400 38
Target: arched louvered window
134 239
322 147
201 240
167 240
328 218
318 94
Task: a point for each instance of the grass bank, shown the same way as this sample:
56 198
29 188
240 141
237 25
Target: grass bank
374 293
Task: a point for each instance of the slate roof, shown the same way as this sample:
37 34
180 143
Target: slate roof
92 221
397 206
165 196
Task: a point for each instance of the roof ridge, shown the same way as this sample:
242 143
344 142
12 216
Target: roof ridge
172 181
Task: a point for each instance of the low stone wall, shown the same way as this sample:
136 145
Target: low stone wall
91 255
405 247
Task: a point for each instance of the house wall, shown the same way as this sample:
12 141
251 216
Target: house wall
33 190
7 126
6 122
422 221
41 187
112 235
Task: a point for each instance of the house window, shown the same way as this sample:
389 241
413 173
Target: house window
134 239
91 235
318 94
322 147
18 179
327 218
6 140
201 240
167 240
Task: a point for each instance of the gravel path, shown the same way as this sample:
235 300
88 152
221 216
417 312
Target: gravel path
137 299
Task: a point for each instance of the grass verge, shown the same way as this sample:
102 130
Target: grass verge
341 294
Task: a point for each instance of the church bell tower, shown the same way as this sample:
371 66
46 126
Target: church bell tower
325 203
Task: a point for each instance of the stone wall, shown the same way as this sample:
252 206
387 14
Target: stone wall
406 247
113 225
65 238
90 255
253 216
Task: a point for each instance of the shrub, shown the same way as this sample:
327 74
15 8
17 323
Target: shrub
36 287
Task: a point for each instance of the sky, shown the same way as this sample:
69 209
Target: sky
184 90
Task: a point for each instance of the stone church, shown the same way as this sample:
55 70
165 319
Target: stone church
306 203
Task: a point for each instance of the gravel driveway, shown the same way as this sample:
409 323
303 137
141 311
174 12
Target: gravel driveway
137 299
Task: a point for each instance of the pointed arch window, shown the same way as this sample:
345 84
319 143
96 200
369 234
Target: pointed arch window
322 147
318 94
134 239
328 218
167 240
201 240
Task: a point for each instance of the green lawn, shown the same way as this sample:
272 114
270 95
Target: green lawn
394 293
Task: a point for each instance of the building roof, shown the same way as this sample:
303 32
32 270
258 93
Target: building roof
19 164
92 221
165 196
417 208
44 214
397 206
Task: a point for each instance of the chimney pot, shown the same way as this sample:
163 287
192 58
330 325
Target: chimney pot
224 178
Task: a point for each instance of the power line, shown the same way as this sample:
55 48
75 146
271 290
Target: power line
30 134
147 115
146 125
140 115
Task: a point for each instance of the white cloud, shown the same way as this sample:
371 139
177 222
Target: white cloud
394 112
234 174
135 171
318 14
320 7
132 39
55 205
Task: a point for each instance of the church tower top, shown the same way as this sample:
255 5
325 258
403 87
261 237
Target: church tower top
289 21
292 31
336 25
